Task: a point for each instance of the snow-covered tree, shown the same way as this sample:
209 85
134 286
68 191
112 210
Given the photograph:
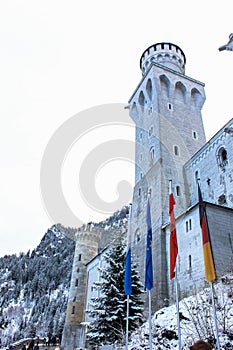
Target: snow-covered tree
108 311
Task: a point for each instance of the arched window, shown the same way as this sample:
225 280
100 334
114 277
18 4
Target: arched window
141 99
152 153
149 89
222 157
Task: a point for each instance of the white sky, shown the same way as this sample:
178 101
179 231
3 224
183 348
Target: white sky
58 58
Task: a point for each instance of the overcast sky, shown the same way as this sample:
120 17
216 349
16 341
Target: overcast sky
59 58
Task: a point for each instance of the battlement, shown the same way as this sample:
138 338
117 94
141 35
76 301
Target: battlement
167 54
88 233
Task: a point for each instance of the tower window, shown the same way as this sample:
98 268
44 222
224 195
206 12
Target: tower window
176 150
73 310
139 192
76 282
170 106
178 190
196 175
79 257
141 99
137 235
190 262
150 132
152 153
194 135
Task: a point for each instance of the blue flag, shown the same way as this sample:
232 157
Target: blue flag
128 273
149 268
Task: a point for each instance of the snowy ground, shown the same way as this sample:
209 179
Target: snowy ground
196 321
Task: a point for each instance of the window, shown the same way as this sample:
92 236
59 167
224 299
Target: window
78 269
137 236
79 257
152 153
188 224
170 106
176 150
178 191
76 282
190 262
194 135
222 157
139 192
73 310
150 132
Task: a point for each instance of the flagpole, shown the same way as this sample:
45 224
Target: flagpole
173 228
178 311
127 325
149 284
210 273
214 314
150 324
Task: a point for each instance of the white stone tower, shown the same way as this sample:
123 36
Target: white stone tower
87 243
166 108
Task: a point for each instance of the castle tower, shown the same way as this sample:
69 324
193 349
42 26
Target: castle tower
87 243
166 108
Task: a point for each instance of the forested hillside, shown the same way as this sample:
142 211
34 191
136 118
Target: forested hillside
34 288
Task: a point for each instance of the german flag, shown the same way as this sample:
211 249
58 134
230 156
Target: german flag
207 251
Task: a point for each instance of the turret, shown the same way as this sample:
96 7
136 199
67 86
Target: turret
87 242
167 54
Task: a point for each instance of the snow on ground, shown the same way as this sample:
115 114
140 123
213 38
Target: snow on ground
196 321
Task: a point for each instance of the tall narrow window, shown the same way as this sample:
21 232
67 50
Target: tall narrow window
194 135
178 191
152 153
190 262
176 150
169 106
190 224
73 310
79 257
76 282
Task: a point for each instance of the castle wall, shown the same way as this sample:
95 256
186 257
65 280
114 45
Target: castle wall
190 263
215 173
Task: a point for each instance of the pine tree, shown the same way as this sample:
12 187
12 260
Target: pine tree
109 309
